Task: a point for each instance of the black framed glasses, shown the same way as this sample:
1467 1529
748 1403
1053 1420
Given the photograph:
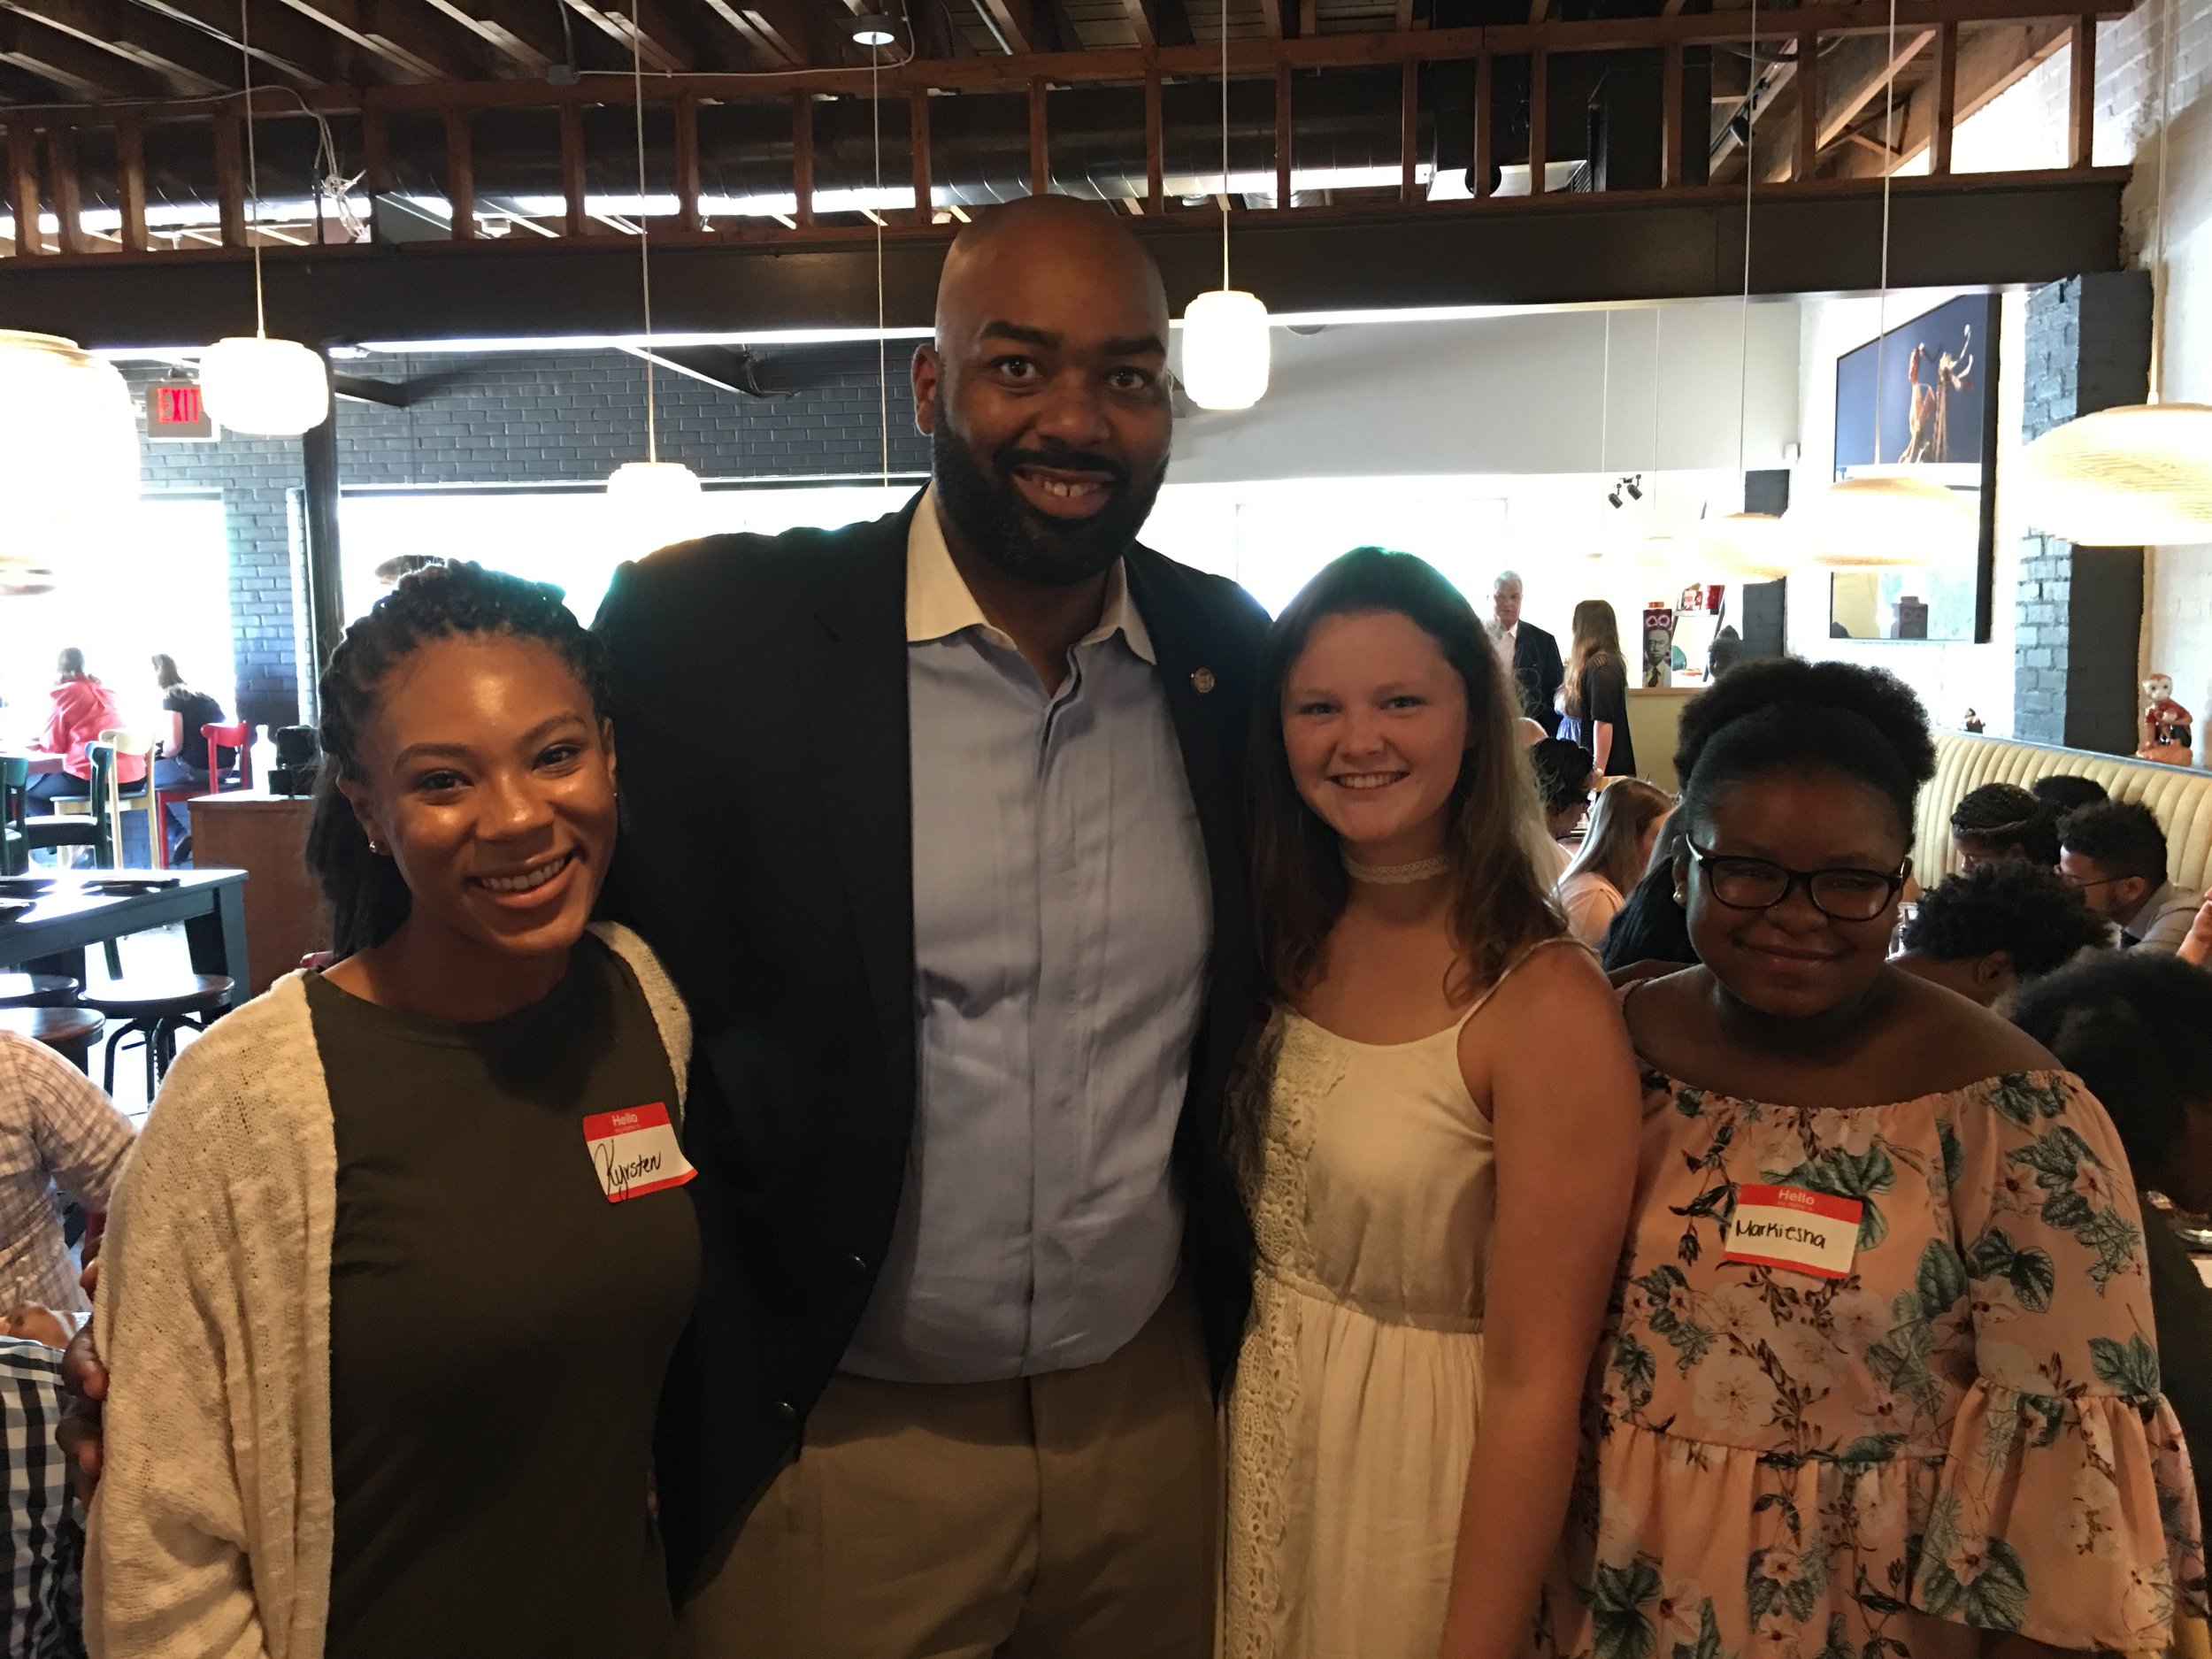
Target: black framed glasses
1760 884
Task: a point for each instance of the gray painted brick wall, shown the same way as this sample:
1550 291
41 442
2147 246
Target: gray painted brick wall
2078 611
544 418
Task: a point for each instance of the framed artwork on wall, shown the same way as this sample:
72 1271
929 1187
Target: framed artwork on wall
1921 400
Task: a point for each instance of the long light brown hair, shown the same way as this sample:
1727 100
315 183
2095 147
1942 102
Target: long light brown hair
1499 906
1614 846
1597 638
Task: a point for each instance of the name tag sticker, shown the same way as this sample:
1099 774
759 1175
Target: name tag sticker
633 1152
1798 1231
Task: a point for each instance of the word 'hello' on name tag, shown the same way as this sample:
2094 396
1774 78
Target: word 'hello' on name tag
633 1152
1795 1230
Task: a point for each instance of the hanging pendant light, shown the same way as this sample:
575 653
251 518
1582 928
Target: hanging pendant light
655 503
2139 475
67 429
1226 345
252 384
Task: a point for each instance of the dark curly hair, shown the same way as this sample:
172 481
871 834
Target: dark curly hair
2067 793
2005 815
2136 1027
1784 714
2123 836
367 897
2023 909
1562 773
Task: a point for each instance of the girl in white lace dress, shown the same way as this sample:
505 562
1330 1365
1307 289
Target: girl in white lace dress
1439 1144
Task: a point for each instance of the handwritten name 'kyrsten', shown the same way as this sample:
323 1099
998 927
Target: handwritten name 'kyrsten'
619 1175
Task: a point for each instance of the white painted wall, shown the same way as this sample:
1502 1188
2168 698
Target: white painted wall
1516 393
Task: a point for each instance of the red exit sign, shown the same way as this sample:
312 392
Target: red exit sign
177 414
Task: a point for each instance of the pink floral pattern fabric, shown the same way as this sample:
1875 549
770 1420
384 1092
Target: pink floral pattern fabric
1965 1430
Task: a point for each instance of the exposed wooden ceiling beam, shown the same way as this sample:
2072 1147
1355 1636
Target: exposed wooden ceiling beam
661 44
780 32
284 40
1160 22
1013 24
1059 28
187 61
1991 62
526 36
1852 75
83 69
405 37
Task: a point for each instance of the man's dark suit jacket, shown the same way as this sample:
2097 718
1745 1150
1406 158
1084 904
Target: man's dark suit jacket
1539 673
760 710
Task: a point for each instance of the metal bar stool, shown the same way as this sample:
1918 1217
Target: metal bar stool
69 1032
156 1009
39 990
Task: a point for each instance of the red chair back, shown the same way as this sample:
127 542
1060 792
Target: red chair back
235 738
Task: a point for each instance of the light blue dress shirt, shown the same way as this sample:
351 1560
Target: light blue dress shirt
1061 923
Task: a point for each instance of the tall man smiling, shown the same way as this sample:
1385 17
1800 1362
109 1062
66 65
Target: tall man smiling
965 939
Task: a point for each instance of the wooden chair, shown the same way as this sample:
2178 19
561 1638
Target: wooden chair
238 738
136 797
85 820
15 842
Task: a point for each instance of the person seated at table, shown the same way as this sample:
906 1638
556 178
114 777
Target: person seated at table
182 761
1563 777
56 1131
2003 821
2137 1030
1623 828
41 1588
2066 792
82 708
2116 855
354 1408
1651 936
1988 932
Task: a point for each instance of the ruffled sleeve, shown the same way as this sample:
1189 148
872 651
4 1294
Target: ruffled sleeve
2066 1510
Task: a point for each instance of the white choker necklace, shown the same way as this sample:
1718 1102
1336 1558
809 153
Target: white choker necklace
1396 875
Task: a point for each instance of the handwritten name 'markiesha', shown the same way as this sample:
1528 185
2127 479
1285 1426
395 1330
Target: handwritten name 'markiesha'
1746 1232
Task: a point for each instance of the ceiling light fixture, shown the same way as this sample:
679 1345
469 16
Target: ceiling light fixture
872 32
2140 475
252 384
1225 332
655 502
70 437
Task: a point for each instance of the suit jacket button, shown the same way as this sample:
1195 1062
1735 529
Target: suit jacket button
1202 680
788 1412
856 1266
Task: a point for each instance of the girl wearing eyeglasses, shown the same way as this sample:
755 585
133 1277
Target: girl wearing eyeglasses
1880 1377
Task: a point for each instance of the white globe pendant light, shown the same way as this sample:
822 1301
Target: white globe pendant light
2140 475
1226 347
249 383
263 388
67 428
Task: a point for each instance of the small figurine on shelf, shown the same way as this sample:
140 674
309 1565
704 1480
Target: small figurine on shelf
1975 723
2166 724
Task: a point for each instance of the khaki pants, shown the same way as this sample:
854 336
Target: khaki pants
1071 1515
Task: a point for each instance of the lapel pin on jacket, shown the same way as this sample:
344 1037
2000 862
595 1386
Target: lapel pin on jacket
1202 680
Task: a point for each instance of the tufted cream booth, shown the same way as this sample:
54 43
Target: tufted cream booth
2180 796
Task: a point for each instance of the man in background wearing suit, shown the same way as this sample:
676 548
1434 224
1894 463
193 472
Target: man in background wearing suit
936 823
1533 654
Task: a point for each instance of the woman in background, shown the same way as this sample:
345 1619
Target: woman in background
1624 830
2000 823
1879 1374
82 709
1438 1146
182 761
1650 932
1594 698
395 1273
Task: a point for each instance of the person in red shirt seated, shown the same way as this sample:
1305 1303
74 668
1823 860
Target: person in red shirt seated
83 708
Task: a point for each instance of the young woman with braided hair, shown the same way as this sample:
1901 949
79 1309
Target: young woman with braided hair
443 1171
1879 1374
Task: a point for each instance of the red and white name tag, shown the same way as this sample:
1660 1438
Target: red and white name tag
633 1152
1793 1229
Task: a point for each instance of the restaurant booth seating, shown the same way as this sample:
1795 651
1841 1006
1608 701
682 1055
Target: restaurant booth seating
2181 797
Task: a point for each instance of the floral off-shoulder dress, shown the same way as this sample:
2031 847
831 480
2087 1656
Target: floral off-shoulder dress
1965 1432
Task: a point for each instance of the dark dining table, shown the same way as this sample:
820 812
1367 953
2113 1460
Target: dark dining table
53 933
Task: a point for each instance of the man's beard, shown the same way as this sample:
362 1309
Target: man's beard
985 505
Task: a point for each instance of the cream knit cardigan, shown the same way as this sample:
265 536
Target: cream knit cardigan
210 1536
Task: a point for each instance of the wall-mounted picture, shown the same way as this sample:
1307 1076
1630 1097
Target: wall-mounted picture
1921 402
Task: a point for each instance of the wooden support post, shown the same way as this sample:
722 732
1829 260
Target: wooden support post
1946 96
802 155
376 151
23 186
1484 160
688 162
130 182
1410 131
1539 117
2081 103
460 175
575 221
1671 150
1808 106
230 181
1039 148
1154 197
917 146
61 167
1282 135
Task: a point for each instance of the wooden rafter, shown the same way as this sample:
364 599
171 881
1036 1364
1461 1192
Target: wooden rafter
1850 78
661 42
1994 61
185 59
77 67
522 36
282 40
404 40
1160 22
1016 26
